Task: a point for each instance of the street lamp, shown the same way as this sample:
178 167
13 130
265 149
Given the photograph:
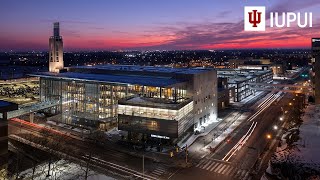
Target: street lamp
281 118
269 136
275 127
290 104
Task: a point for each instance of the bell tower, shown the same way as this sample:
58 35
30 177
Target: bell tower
55 50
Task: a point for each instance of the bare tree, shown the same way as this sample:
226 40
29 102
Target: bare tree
93 139
3 173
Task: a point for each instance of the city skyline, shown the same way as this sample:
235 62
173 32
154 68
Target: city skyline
143 25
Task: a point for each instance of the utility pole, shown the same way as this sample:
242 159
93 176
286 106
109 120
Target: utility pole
143 166
204 142
186 153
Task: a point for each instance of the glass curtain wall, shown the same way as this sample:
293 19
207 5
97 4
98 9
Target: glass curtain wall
167 93
95 103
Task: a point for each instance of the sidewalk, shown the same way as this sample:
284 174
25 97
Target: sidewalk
194 137
213 126
234 125
224 134
247 99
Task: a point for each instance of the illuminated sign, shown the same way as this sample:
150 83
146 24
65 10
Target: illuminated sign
158 136
255 19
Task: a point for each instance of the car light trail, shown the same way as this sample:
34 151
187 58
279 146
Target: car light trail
269 97
240 143
36 126
265 105
120 168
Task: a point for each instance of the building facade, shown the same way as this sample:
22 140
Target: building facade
240 80
257 64
142 100
56 50
224 93
236 63
5 107
315 69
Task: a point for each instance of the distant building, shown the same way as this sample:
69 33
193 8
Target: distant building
235 63
5 107
148 102
55 50
240 79
278 69
316 68
257 64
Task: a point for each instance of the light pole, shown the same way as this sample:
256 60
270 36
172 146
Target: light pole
268 137
186 154
144 153
204 142
143 166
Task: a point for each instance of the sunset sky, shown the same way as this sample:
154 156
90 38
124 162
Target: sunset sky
148 24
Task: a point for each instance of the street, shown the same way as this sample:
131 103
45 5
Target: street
236 157
107 157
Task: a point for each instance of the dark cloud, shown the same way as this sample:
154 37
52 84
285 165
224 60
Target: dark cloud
70 33
290 6
120 32
195 36
66 21
97 28
224 14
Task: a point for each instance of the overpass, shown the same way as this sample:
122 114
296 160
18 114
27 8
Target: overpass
32 108
279 87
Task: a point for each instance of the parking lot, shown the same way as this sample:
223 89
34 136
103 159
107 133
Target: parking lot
20 92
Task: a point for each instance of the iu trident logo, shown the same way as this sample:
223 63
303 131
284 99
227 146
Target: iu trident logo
254 18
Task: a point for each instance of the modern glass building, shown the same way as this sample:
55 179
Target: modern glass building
150 101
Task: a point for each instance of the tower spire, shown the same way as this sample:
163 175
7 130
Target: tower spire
56 29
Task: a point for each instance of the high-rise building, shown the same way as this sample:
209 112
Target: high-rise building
56 50
315 69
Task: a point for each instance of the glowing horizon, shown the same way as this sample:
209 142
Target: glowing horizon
146 25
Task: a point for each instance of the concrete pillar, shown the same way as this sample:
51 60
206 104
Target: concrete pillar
4 116
127 90
31 117
175 94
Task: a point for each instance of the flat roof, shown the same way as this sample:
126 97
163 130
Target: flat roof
4 103
147 68
6 106
248 72
120 79
153 103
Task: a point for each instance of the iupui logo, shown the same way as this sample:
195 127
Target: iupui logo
255 19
